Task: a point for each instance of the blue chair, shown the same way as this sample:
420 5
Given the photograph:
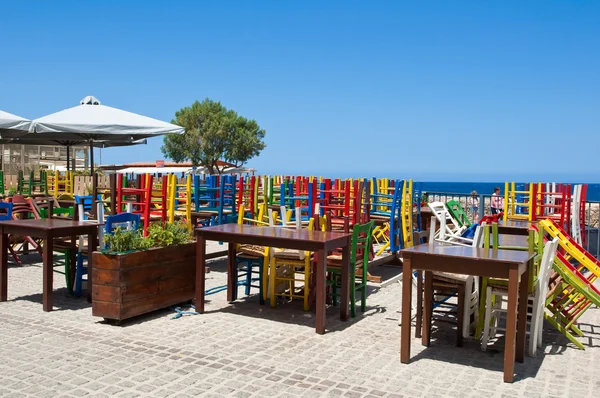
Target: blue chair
118 220
388 205
112 222
217 195
87 203
6 210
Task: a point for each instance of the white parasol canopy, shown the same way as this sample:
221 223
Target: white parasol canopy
13 125
92 121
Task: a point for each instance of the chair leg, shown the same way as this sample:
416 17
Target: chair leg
248 277
487 319
363 295
272 271
482 308
352 295
460 315
67 260
78 275
535 326
467 305
261 284
419 320
307 284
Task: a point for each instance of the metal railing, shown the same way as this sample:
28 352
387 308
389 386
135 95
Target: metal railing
592 213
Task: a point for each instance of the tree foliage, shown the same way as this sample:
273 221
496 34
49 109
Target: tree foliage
212 133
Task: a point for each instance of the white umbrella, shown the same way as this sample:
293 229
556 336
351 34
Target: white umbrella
91 122
13 125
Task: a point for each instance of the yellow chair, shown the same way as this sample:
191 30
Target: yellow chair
59 184
179 199
252 257
284 269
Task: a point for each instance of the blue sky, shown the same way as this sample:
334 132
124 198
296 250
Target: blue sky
432 90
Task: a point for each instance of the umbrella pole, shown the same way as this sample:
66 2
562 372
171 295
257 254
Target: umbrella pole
68 159
91 159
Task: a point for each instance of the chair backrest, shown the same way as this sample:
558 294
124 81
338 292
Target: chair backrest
23 207
448 225
62 212
361 243
546 266
6 211
131 221
459 214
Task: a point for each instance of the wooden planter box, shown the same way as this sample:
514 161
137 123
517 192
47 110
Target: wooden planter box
130 284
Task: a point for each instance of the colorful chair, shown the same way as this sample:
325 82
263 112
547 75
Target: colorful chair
519 204
284 266
450 230
32 186
458 213
359 260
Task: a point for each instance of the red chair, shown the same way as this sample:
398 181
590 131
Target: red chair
23 209
139 198
553 201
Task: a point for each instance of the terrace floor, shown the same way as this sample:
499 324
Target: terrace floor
245 349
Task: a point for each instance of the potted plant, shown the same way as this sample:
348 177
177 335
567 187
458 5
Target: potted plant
136 275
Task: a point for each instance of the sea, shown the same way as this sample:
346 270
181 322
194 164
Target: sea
593 192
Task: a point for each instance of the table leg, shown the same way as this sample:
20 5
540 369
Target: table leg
48 273
346 292
406 311
320 294
231 272
419 315
522 322
511 325
4 267
73 260
200 276
427 308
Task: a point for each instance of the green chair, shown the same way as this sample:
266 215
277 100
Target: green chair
28 186
491 240
359 258
62 247
2 182
458 213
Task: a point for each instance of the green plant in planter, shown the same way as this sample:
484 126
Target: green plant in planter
126 240
167 234
12 191
159 235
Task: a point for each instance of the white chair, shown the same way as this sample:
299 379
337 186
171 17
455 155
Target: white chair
575 212
535 308
450 231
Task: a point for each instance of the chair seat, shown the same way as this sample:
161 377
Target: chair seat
289 254
336 259
450 277
252 250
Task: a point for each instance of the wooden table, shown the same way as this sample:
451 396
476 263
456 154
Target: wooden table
47 229
315 241
508 264
515 227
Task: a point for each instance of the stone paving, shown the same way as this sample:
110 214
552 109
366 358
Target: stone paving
245 349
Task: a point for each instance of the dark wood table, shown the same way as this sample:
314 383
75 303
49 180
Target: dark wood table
515 227
46 229
510 264
315 241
